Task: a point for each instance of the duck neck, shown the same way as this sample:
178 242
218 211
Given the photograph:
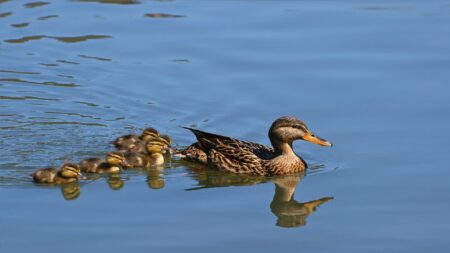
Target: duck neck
283 148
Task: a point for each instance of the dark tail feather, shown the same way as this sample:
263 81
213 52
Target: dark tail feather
204 135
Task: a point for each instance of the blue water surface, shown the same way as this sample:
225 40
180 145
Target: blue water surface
370 76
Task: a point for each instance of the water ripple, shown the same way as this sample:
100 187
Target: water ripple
74 39
47 17
19 72
36 4
27 98
112 1
163 15
48 83
20 25
94 57
5 14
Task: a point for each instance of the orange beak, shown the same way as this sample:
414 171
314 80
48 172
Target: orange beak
316 140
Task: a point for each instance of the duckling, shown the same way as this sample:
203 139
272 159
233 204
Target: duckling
135 160
154 148
69 172
140 146
149 133
113 164
90 165
126 142
167 149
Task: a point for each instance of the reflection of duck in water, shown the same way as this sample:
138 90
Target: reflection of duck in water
231 155
291 213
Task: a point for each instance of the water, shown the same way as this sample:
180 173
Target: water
369 76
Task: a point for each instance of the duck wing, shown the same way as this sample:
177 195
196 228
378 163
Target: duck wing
207 141
232 157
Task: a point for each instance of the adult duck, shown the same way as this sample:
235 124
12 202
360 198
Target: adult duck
236 156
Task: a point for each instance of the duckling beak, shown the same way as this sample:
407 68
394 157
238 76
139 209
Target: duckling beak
125 164
168 149
316 140
81 176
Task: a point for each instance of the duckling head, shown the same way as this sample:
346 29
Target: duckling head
168 142
116 160
149 133
288 129
156 145
71 170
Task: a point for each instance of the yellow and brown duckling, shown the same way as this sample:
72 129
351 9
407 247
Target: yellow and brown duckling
113 164
154 148
167 148
130 141
236 156
69 172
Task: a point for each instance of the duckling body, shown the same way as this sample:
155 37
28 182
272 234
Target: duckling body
135 143
135 160
125 141
91 165
69 172
154 148
45 176
236 156
113 163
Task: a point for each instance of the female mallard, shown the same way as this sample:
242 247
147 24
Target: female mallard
236 156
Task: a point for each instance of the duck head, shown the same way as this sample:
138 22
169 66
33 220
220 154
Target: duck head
287 129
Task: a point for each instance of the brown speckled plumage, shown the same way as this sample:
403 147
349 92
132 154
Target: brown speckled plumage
236 156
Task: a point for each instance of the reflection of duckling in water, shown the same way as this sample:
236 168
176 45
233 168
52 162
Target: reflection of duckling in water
114 162
154 148
291 213
155 178
70 191
69 172
115 182
131 142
